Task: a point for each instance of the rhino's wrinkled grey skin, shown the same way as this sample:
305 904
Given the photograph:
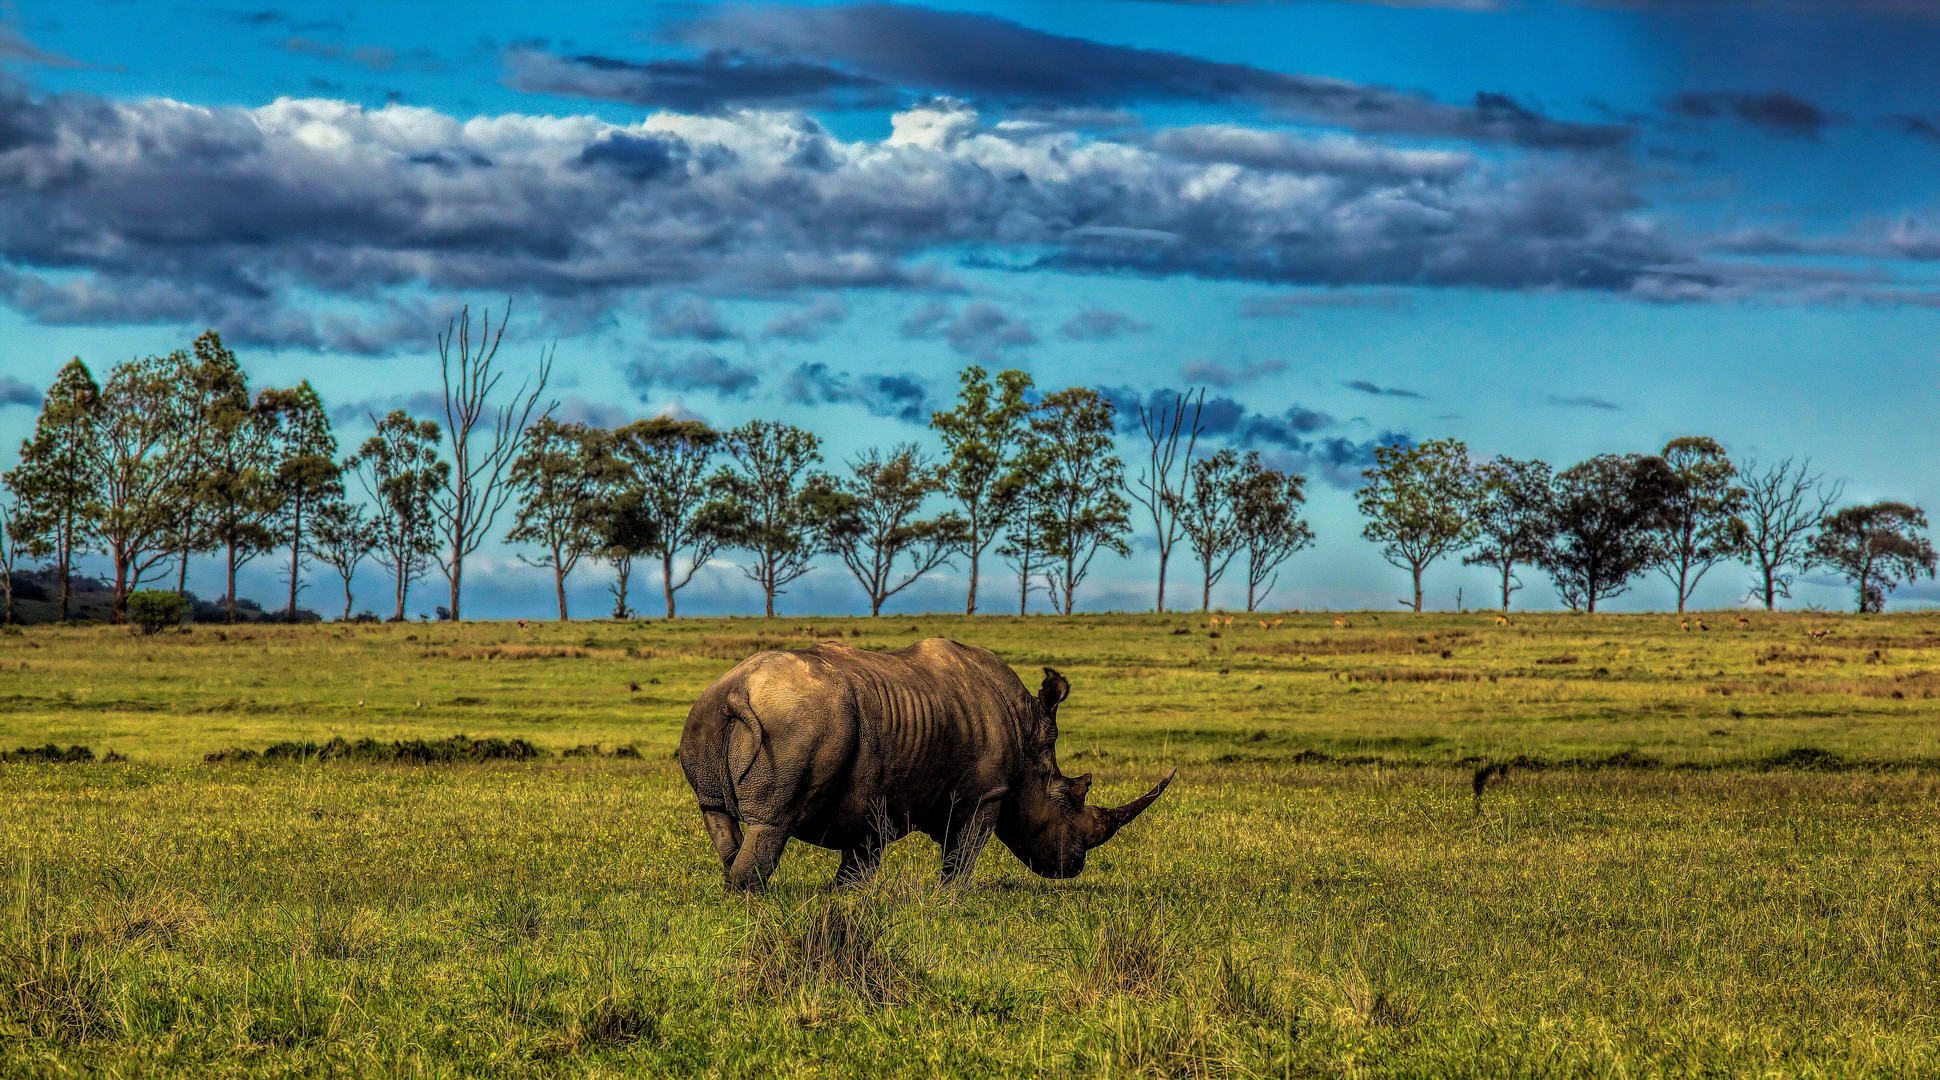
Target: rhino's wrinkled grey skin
849 749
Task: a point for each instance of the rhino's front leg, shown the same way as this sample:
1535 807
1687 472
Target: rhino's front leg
760 851
965 839
858 863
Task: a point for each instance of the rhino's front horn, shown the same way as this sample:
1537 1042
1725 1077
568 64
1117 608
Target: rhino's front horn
1112 819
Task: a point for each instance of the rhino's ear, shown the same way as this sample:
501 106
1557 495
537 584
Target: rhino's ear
1079 786
1053 692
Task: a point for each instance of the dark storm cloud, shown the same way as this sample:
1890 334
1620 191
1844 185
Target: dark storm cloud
1100 324
898 396
989 58
700 369
1366 387
715 81
15 392
1775 113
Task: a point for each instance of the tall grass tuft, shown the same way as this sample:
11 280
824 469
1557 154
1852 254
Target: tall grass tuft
839 940
53 985
1141 949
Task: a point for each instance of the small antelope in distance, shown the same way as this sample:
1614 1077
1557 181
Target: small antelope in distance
1229 622
520 623
1818 634
1502 620
1275 624
1341 621
1683 624
1701 626
1744 623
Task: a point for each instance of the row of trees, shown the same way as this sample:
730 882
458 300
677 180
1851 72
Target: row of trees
1035 479
173 457
1596 526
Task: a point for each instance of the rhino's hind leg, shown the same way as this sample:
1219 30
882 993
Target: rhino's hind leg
725 832
760 851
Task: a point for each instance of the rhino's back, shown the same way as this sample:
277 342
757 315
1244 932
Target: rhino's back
843 736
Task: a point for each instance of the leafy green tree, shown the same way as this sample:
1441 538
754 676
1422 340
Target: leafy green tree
400 472
765 506
669 459
1417 503
1023 550
209 384
1207 512
1784 504
1607 511
1266 510
625 531
560 479
237 465
341 537
485 437
306 472
869 520
1167 472
133 513
1513 515
982 438
1077 494
1875 547
1700 526
56 481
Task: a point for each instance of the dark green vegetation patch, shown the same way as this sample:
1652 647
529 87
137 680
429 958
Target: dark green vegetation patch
457 748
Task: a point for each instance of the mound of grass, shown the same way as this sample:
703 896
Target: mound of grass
51 754
457 748
833 942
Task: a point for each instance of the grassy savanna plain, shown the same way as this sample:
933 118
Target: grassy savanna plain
1712 854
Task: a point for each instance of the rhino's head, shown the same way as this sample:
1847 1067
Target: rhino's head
1047 823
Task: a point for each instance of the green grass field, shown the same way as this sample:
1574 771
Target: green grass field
1713 855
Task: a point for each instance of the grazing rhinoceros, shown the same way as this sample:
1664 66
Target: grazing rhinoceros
850 750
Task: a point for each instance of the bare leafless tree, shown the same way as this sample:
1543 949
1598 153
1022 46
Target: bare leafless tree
1784 503
1161 483
475 490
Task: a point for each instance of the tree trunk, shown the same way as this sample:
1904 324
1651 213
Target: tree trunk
1507 567
1024 587
1771 588
1070 565
970 601
457 572
229 569
118 607
623 574
63 558
1205 589
347 598
1250 584
667 578
403 587
559 584
875 606
1165 554
296 555
1417 572
182 574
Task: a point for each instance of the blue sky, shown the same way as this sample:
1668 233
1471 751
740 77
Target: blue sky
1549 229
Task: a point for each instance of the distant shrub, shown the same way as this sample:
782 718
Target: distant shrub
457 748
156 609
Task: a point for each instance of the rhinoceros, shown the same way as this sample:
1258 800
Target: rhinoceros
851 750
